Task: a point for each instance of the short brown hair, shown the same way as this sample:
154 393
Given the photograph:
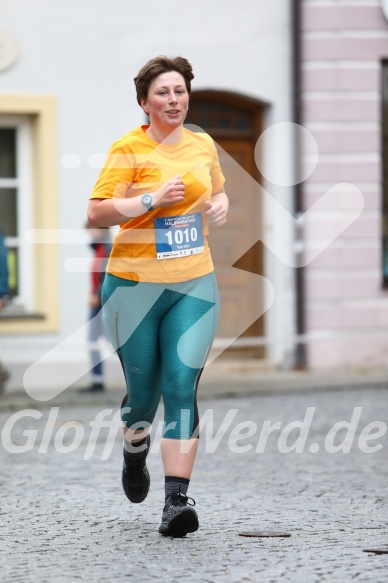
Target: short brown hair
157 66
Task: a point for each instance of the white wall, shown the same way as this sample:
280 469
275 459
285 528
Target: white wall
87 52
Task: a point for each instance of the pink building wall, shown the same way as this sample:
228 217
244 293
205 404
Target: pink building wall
346 307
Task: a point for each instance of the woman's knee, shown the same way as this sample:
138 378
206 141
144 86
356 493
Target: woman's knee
180 389
137 417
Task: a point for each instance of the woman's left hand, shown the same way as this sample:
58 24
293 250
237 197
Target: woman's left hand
216 213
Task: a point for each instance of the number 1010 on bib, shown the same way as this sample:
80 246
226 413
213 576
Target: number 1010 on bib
178 236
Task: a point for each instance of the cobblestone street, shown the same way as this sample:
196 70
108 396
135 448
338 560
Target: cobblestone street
65 518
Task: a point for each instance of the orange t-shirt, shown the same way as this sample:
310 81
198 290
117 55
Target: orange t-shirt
168 244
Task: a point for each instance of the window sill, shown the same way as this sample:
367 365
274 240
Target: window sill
21 316
17 312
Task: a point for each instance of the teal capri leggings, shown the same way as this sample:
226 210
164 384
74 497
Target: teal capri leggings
162 334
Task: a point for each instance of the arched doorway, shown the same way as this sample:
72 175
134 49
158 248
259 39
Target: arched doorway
235 122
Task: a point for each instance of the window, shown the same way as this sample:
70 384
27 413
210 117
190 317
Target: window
29 202
222 116
15 207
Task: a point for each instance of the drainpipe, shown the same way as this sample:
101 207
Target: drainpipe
300 347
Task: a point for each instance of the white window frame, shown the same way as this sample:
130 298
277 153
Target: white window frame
23 183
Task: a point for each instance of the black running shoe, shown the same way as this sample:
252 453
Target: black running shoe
135 477
178 516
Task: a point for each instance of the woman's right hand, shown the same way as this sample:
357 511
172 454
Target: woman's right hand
106 212
169 193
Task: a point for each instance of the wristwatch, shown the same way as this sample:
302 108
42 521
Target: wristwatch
146 199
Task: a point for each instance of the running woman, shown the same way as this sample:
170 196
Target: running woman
162 184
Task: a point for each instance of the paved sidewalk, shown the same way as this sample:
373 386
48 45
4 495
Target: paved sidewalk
222 379
65 518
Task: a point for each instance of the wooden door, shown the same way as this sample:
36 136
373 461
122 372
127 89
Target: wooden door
235 128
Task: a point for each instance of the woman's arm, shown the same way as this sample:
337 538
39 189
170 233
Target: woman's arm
107 212
217 208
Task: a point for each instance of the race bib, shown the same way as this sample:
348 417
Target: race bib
178 236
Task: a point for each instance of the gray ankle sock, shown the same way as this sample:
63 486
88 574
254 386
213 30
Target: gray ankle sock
174 484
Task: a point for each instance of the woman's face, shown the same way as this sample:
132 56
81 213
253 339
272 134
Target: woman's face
167 101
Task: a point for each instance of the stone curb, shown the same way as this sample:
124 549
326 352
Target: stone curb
213 386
